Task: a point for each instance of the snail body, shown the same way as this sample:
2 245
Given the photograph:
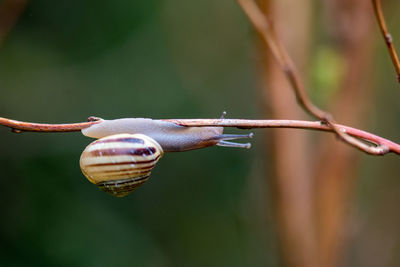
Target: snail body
170 136
128 149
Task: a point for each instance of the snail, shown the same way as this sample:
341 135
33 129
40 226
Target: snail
128 149
119 163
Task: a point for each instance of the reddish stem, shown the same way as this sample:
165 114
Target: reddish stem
20 126
385 144
388 145
263 25
386 36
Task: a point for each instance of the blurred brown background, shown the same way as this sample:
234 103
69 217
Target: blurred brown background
297 198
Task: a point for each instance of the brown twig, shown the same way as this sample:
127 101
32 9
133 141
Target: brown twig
20 126
385 144
386 36
265 28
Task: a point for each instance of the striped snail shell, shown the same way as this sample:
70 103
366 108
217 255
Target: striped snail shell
119 163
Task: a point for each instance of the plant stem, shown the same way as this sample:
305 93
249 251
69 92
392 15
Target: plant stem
386 36
20 126
265 28
389 146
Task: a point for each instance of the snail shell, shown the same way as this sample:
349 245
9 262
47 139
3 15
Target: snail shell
119 163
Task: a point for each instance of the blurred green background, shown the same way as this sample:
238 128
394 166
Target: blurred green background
67 60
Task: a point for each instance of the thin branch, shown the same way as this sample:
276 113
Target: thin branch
386 36
20 126
265 28
383 144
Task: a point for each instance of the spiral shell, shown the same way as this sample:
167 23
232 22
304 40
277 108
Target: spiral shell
119 163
